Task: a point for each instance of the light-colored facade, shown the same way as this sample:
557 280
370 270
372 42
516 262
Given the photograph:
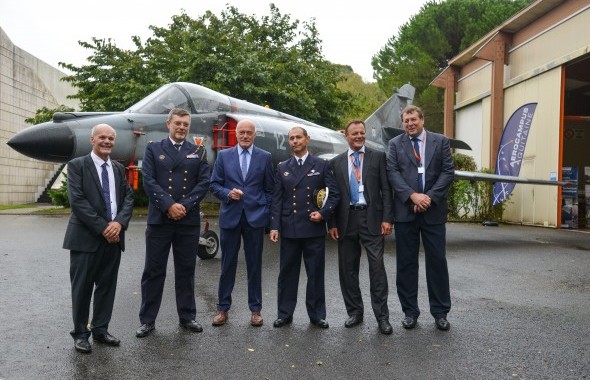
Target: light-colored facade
26 85
541 55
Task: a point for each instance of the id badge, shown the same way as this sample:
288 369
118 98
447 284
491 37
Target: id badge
361 188
421 170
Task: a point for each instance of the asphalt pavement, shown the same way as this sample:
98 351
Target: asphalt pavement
521 303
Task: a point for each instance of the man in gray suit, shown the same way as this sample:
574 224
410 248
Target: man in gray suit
420 170
363 216
102 204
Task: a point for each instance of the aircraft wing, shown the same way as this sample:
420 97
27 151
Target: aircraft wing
475 176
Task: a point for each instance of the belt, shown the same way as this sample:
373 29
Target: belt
358 207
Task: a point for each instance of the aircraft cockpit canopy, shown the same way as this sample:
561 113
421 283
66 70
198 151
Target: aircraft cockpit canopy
192 97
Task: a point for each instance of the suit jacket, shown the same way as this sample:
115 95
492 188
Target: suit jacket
171 176
257 187
402 171
293 197
88 219
377 191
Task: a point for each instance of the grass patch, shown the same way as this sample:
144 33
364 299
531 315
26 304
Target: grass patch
14 207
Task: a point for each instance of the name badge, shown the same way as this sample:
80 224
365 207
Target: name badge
421 170
361 188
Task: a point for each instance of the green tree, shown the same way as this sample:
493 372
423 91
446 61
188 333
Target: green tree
45 114
424 45
270 60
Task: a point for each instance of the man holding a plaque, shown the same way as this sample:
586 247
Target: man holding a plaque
304 196
363 216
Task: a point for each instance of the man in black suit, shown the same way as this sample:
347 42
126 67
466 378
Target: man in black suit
102 204
175 178
363 216
420 170
299 215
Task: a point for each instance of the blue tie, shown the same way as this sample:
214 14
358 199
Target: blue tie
244 163
354 185
417 150
106 190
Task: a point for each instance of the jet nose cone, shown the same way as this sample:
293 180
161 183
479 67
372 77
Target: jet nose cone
46 142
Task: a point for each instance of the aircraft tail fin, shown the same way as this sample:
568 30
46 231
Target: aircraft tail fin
385 122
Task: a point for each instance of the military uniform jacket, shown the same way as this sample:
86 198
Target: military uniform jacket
171 176
293 197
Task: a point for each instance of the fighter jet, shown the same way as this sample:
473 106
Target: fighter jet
214 117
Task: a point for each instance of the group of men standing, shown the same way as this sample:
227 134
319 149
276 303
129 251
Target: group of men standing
356 197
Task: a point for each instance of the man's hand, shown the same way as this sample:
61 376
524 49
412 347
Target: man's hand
386 228
421 202
235 194
274 236
112 231
333 232
176 211
316 217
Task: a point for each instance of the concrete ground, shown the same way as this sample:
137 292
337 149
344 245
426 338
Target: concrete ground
521 302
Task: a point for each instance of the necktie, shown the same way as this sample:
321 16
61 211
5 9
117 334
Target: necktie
177 146
300 162
244 163
417 151
354 184
106 190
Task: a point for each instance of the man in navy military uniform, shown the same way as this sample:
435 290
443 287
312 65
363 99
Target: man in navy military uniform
295 213
175 179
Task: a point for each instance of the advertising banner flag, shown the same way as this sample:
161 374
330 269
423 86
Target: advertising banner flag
511 149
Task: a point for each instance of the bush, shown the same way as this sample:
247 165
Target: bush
59 197
472 200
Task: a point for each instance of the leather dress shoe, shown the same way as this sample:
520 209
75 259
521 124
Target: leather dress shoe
82 345
106 338
145 330
321 323
280 322
220 318
442 324
409 322
256 319
385 327
193 326
353 320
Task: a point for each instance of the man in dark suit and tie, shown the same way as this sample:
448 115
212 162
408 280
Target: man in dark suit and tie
175 179
102 204
299 215
363 216
243 181
420 170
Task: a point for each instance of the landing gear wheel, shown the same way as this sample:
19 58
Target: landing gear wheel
208 245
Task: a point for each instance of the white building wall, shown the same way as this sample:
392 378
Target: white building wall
26 85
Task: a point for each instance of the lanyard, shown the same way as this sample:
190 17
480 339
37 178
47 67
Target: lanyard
419 156
355 170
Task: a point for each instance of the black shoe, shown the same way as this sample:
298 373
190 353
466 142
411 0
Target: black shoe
106 338
353 320
280 322
193 326
321 323
385 327
409 322
442 324
145 330
82 345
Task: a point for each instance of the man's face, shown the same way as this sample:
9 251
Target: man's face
355 135
103 141
245 133
179 127
413 124
298 141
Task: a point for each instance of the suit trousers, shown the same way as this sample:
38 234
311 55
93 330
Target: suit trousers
349 256
98 272
313 252
230 239
184 240
407 240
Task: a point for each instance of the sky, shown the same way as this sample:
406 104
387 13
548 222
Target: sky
50 30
